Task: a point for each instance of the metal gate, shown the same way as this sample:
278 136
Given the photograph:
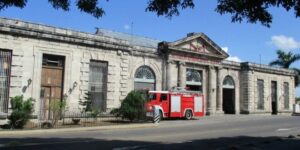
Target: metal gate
51 83
5 66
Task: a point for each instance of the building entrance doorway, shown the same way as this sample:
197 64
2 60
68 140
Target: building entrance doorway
228 95
274 97
51 83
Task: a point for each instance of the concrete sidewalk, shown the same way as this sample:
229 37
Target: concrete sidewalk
77 129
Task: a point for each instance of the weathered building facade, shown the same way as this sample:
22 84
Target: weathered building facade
48 63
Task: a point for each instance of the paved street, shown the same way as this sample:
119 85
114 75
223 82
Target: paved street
219 132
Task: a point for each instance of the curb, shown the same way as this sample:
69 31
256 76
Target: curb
77 129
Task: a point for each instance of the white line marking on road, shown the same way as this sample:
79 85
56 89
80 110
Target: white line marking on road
126 148
284 129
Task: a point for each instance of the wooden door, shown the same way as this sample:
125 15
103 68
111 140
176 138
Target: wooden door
51 83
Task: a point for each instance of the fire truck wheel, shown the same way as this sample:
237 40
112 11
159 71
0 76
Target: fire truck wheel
188 115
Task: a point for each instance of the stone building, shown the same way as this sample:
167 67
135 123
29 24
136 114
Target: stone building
48 63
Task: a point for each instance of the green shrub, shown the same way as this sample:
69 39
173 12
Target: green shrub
132 107
94 112
56 108
21 111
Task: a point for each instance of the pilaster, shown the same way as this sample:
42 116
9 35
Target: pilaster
212 91
181 74
170 75
219 92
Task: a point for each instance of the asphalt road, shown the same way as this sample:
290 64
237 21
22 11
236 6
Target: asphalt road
220 132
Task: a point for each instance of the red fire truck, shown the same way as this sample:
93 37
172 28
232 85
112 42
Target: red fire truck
176 104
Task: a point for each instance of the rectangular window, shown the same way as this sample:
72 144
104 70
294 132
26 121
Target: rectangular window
5 66
286 95
260 94
97 84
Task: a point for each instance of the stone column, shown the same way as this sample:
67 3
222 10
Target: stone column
181 74
169 74
212 91
219 92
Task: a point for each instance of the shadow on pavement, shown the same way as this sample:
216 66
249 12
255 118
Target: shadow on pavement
224 143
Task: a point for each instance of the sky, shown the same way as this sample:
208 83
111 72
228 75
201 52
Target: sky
243 41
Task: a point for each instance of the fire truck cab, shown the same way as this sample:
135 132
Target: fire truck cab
176 104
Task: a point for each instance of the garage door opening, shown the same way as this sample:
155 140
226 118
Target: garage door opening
228 95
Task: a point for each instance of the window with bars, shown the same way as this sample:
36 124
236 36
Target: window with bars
98 84
286 95
53 60
5 66
144 78
193 79
260 94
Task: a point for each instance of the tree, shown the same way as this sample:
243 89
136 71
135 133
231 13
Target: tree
132 107
56 108
87 6
284 60
251 10
86 103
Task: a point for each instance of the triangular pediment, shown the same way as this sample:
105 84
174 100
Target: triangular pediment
199 43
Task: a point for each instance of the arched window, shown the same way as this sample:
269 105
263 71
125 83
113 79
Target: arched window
194 79
228 83
144 78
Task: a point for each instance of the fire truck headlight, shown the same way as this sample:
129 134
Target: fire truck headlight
150 108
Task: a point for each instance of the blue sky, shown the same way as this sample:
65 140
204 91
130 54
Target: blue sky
244 41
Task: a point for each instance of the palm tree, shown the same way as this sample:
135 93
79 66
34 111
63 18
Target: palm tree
284 60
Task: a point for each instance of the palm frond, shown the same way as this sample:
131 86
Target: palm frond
276 63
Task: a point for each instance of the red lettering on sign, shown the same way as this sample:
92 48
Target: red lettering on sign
192 58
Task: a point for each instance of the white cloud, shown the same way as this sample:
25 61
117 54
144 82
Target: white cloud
284 43
234 58
127 27
225 49
231 58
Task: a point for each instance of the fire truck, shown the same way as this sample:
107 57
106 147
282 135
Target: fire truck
176 104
